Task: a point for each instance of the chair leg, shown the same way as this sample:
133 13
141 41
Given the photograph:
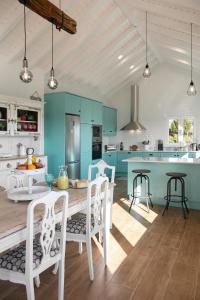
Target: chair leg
37 281
90 260
55 270
61 279
80 247
30 289
105 245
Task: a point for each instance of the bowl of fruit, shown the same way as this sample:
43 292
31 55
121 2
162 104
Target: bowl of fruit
36 164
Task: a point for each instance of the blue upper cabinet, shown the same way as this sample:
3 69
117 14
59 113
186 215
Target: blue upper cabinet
72 104
109 121
91 112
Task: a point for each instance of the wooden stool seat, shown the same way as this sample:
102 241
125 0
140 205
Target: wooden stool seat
176 174
141 171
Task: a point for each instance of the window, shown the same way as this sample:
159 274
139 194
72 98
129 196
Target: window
181 131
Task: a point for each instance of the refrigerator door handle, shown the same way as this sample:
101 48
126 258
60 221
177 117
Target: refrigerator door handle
73 162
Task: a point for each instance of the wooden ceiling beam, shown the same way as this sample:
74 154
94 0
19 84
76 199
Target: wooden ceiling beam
52 13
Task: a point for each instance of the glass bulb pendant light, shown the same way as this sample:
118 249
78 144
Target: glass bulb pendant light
25 75
147 71
52 82
191 89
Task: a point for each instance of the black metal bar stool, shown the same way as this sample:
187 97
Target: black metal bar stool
141 174
176 177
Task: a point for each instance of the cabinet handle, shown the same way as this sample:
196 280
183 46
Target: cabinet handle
110 131
129 152
92 120
150 154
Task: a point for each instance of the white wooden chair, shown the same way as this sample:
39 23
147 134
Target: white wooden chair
82 227
25 262
101 167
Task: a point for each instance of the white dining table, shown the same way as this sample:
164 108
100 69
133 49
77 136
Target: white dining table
13 216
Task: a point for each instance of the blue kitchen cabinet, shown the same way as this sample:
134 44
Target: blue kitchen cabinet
111 159
192 155
54 131
86 160
86 111
91 112
72 104
182 154
151 154
168 154
109 121
122 167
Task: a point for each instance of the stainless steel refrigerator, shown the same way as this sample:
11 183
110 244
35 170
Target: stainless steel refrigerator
72 145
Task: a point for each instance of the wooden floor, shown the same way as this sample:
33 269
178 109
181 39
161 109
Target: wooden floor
151 257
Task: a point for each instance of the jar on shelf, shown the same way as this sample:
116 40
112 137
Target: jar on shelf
63 181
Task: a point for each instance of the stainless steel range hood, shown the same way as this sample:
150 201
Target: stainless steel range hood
134 124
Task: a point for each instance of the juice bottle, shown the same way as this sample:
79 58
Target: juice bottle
63 181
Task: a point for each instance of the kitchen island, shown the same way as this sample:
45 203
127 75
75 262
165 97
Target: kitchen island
159 166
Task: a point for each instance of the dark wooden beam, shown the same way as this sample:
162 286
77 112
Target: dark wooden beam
52 13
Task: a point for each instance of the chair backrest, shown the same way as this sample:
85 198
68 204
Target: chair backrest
97 198
15 180
45 207
101 166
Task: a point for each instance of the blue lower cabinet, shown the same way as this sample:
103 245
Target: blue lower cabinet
111 159
192 155
151 154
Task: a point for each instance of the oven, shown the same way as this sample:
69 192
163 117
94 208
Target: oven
97 134
96 151
96 142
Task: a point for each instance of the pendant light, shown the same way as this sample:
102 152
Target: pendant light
52 82
147 71
191 89
25 75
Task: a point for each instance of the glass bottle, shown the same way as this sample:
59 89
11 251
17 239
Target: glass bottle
63 181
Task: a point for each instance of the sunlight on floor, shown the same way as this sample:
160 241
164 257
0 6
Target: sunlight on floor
116 253
127 225
141 209
127 230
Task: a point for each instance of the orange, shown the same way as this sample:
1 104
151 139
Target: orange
31 167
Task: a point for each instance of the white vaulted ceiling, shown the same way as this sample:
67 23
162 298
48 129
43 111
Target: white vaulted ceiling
105 30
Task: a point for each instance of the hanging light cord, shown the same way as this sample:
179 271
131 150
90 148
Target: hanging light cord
146 36
52 47
24 31
191 54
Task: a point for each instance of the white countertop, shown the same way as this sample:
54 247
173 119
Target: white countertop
16 157
155 151
164 160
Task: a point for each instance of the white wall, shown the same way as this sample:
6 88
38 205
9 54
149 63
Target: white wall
11 85
162 96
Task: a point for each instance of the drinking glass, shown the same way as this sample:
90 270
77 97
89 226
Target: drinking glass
49 180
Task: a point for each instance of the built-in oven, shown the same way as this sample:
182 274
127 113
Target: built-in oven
96 142
97 134
96 151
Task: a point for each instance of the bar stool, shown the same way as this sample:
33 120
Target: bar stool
141 174
176 177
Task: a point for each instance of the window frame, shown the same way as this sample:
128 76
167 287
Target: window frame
181 130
